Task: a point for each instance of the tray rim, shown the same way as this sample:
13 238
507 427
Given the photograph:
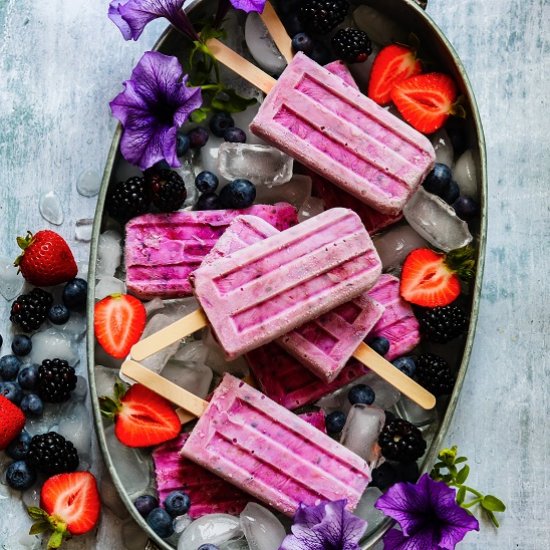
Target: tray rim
431 454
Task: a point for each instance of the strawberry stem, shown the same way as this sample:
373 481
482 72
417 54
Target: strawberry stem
23 243
45 522
462 262
111 406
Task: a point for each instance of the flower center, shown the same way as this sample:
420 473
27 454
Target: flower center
163 112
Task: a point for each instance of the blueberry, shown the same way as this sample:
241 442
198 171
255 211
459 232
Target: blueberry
160 522
234 135
293 25
405 364
239 193
74 294
320 54
177 503
452 193
9 367
302 42
466 208
11 391
183 143
208 201
20 475
32 405
438 180
334 422
28 377
206 182
145 504
21 345
361 394
220 122
198 137
59 314
18 449
384 476
380 345
208 547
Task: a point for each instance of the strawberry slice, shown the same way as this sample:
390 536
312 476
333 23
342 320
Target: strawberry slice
70 505
142 418
425 101
392 65
119 321
430 279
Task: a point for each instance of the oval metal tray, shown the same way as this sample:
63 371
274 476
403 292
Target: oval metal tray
408 14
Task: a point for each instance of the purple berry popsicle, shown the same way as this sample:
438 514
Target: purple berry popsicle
163 249
336 131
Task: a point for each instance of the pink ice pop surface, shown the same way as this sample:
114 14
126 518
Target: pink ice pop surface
398 323
325 344
269 452
339 68
259 293
209 493
333 129
162 250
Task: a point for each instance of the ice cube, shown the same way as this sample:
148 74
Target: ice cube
133 465
133 536
83 230
261 164
50 208
103 358
394 245
181 523
81 390
107 286
76 426
11 282
110 497
465 174
105 378
415 414
31 497
243 119
366 510
153 306
386 396
361 71
237 544
295 192
216 360
381 29
25 540
436 221
207 159
194 377
360 434
443 146
311 207
187 174
88 183
109 253
52 344
261 45
262 529
75 327
210 529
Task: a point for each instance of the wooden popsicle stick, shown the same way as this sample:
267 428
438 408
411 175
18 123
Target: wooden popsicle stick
167 389
241 66
184 416
168 335
277 31
400 381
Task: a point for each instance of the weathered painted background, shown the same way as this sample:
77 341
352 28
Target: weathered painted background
62 61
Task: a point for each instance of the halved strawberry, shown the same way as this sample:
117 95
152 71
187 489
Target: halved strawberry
142 418
119 321
392 65
70 505
431 279
425 101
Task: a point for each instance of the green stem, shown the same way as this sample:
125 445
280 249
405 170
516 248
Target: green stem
472 503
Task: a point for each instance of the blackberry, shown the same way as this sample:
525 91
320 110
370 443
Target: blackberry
434 374
128 199
401 441
442 324
167 190
30 310
51 454
321 16
56 380
352 45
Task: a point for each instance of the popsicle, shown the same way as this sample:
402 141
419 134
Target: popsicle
163 249
398 323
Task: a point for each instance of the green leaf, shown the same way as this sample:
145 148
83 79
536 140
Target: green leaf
461 495
39 527
493 504
56 540
462 476
199 115
36 513
461 459
231 102
493 518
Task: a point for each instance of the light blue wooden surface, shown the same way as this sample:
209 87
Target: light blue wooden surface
62 61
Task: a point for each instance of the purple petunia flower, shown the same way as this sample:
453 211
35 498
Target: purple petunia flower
249 5
155 102
428 514
132 16
328 525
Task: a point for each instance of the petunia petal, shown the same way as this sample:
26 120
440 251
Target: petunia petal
139 13
458 523
396 540
249 5
116 18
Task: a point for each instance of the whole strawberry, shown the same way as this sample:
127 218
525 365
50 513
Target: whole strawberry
12 421
46 259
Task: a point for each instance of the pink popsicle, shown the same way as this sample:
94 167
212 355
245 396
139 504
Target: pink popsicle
339 68
333 129
271 453
162 250
398 323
